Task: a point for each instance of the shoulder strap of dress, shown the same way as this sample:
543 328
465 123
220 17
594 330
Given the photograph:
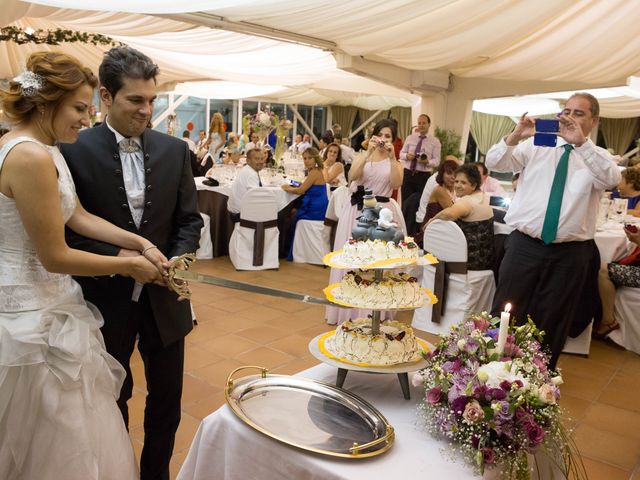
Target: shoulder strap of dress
7 147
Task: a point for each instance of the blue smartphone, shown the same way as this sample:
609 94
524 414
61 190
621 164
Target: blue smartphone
547 125
545 139
293 183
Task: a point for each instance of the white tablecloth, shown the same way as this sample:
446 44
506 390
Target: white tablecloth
226 448
282 198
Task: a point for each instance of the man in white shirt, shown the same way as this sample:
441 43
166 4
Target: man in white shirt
547 256
202 139
191 143
294 148
248 178
347 153
306 143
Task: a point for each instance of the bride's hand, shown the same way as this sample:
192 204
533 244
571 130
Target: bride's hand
157 258
143 271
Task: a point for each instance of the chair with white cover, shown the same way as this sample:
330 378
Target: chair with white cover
205 250
627 314
467 291
310 244
258 225
337 201
581 344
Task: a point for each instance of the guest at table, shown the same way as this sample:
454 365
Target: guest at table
324 141
247 178
192 145
347 153
253 136
306 143
554 213
428 189
489 185
629 188
313 191
442 195
202 139
294 148
232 151
379 171
333 169
614 275
474 217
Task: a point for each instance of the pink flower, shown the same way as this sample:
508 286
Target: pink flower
489 456
417 380
473 412
535 433
434 395
481 324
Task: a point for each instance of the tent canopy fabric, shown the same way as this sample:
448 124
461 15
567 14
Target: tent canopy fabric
591 42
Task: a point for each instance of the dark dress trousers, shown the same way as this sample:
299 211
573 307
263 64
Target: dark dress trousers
172 222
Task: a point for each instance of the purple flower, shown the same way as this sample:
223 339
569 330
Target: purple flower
458 405
471 346
496 394
493 333
480 391
452 366
488 455
535 433
434 395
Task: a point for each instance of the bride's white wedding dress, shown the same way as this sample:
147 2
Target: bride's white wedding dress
58 385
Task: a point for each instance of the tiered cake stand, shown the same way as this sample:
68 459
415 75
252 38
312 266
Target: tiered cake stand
321 346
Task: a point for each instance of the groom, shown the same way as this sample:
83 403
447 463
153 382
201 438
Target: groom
139 180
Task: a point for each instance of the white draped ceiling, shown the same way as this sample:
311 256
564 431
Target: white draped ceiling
592 42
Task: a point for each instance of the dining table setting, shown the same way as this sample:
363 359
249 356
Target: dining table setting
215 188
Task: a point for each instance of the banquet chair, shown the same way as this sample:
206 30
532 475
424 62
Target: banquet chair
254 241
205 250
627 314
467 291
337 201
310 244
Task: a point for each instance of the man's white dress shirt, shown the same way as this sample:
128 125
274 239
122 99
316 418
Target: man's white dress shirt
591 170
246 179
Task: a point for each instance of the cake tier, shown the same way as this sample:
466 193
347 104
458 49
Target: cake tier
395 290
357 252
395 343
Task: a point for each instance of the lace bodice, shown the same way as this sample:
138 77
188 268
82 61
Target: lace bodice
24 283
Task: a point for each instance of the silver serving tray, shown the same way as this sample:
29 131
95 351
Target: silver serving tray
308 414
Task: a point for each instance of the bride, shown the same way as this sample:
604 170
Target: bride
58 385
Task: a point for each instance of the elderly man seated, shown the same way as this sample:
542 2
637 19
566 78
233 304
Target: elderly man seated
247 178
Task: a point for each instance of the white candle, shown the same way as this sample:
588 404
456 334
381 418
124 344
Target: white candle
504 328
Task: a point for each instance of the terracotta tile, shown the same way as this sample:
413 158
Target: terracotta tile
197 357
617 450
603 471
608 354
575 408
233 305
316 330
614 420
137 449
264 357
186 432
195 388
263 334
583 385
619 397
204 313
262 313
577 364
228 346
631 363
137 434
295 345
216 375
137 371
136 409
206 406
295 366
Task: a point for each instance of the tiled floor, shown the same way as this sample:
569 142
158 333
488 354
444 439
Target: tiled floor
600 393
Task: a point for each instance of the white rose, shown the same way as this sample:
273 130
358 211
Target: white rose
496 372
557 380
546 394
461 344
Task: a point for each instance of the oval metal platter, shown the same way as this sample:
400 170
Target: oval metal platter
310 415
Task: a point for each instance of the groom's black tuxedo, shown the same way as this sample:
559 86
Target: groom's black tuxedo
171 221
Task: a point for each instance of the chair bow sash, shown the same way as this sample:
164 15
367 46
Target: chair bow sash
440 285
329 222
258 237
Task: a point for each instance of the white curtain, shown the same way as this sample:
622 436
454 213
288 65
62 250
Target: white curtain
488 129
344 116
619 132
403 117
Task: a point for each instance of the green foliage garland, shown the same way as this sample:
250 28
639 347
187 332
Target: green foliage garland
53 37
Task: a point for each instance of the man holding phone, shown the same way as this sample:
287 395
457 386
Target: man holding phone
547 256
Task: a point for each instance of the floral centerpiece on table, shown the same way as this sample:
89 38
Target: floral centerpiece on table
282 130
262 123
495 407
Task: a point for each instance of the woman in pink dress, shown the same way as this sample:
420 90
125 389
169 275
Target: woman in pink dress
379 171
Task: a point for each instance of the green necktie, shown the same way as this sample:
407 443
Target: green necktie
551 218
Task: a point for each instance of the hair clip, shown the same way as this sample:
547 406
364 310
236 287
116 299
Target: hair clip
30 83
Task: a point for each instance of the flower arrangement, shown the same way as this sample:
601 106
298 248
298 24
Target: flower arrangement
495 407
262 122
282 130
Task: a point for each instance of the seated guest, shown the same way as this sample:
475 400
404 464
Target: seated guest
306 143
324 141
428 189
333 169
442 195
294 148
612 275
629 188
489 184
253 143
192 145
313 191
348 154
473 216
232 150
247 178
